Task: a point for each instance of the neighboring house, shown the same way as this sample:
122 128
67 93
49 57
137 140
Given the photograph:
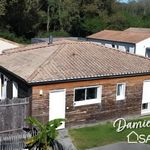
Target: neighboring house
128 41
6 44
80 81
133 29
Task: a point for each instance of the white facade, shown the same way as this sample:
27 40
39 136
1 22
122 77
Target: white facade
146 98
141 48
4 44
118 45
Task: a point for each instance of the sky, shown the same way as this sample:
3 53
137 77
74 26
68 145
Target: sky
125 1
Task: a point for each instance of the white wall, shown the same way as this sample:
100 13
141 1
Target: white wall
5 45
141 47
118 45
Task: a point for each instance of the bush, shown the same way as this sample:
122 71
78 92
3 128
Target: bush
11 36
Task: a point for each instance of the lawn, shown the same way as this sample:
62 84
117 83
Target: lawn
102 134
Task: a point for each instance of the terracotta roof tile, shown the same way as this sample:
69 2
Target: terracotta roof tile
11 42
120 36
76 60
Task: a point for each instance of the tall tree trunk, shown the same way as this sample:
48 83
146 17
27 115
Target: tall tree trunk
60 19
48 18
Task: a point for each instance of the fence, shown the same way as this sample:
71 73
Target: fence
13 141
12 114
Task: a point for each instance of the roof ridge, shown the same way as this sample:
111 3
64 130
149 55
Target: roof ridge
41 45
47 60
74 42
23 48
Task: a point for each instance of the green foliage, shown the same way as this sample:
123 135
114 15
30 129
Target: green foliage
29 18
102 134
46 134
117 22
11 36
2 7
53 33
93 25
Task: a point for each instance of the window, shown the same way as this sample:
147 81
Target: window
113 45
144 106
87 95
147 53
120 91
15 90
127 49
79 94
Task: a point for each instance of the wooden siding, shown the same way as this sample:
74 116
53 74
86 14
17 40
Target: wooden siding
109 108
12 114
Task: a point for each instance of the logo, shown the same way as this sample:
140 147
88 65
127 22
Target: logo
133 137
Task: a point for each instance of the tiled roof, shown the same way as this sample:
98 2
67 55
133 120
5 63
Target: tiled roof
6 44
69 61
120 36
36 45
10 42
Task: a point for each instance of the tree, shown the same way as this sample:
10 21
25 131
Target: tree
22 16
2 7
45 138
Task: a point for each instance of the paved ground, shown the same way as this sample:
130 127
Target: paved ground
123 146
65 140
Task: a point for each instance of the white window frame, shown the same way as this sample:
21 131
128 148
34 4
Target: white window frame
122 96
15 89
89 101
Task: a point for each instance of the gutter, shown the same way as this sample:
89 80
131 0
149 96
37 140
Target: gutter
87 78
78 79
90 39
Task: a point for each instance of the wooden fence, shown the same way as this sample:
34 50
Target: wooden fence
12 114
13 141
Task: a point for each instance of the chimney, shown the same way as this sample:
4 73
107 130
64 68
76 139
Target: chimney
50 39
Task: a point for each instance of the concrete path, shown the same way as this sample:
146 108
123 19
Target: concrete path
65 140
123 146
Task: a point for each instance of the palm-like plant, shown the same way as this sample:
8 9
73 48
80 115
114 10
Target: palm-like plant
45 137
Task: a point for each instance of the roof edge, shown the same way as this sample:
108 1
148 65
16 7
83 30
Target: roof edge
23 80
88 38
107 76
10 42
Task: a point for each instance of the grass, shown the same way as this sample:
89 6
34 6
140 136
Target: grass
101 134
54 33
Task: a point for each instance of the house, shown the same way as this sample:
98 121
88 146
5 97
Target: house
80 81
128 41
133 29
6 44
